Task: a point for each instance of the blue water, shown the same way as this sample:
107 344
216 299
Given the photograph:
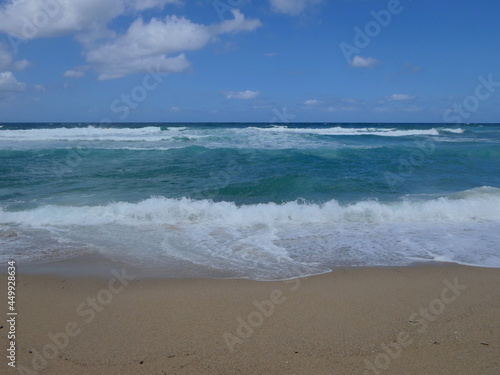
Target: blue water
256 201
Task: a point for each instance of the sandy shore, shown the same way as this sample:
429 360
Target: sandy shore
422 320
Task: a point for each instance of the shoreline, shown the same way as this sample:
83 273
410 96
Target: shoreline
99 267
411 320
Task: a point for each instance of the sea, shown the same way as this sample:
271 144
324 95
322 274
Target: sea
250 200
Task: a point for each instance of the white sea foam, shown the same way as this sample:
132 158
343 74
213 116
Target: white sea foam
266 241
480 204
89 133
387 132
156 134
453 130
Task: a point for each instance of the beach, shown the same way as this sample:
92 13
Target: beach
441 319
279 187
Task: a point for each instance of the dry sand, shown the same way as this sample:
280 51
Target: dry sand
418 320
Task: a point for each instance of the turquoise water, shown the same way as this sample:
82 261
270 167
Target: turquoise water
251 200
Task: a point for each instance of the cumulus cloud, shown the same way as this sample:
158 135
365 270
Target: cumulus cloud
341 108
244 95
148 45
236 25
30 19
7 60
20 64
291 7
383 109
400 97
9 83
413 108
148 4
73 74
312 102
157 43
364 62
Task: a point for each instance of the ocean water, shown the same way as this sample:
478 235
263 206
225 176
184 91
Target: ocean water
254 201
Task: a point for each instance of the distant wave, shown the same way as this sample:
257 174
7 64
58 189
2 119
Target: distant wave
91 133
456 131
387 132
156 134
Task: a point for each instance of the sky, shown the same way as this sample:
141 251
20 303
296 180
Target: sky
270 61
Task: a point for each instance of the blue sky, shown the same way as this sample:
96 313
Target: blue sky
238 60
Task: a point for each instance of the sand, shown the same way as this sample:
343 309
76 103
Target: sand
412 320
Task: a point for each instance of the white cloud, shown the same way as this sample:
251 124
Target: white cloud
73 74
399 97
9 83
236 25
413 108
175 109
20 64
383 109
341 108
312 102
30 19
147 45
7 60
291 7
157 43
44 18
245 95
349 100
364 62
148 4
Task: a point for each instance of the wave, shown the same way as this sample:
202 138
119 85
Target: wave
157 134
453 130
263 241
92 133
480 204
387 132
